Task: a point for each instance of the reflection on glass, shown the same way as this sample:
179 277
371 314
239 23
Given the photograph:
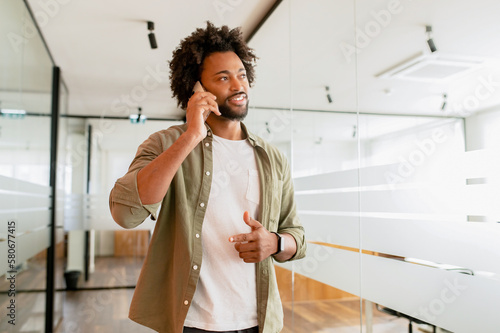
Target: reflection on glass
428 189
25 91
400 174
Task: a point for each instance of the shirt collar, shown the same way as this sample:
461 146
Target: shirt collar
254 140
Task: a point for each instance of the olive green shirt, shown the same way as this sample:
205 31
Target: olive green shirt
171 269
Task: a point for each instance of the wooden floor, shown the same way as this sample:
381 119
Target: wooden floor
106 310
77 307
336 316
109 272
114 272
98 311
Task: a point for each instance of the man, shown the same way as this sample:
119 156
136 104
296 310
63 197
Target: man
226 196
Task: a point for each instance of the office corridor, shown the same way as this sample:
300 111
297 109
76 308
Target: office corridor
103 307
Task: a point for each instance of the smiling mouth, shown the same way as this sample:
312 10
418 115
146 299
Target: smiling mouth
238 98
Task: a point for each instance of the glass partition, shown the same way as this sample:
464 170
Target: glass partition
26 90
428 212
115 254
394 106
25 86
311 116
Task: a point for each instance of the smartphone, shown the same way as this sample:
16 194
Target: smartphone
199 88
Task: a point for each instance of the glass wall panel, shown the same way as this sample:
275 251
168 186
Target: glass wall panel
105 258
270 114
115 254
325 154
25 133
394 153
315 125
429 176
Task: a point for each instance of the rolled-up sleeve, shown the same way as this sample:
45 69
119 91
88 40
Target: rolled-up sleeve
124 201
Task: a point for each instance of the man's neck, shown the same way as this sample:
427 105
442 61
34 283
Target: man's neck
225 128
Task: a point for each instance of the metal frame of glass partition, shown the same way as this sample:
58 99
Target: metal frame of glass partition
50 286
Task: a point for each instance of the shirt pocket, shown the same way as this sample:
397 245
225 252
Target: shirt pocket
253 188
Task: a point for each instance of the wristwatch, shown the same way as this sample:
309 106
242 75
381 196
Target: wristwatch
281 243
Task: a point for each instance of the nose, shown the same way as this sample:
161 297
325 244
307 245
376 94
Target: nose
236 85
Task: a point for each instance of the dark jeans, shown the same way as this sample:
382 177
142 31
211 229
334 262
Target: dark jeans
197 330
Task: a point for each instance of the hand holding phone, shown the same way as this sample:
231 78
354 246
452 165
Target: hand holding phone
199 88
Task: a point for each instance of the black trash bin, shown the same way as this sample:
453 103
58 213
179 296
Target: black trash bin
71 278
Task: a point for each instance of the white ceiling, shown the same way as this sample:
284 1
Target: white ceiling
313 57
103 51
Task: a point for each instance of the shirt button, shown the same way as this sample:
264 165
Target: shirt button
202 205
195 267
197 235
207 144
186 302
209 133
207 173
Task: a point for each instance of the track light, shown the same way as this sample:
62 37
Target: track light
267 128
430 41
151 35
328 96
443 106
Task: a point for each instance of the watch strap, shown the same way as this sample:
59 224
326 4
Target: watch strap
281 244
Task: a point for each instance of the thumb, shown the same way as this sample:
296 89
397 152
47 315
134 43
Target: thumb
250 221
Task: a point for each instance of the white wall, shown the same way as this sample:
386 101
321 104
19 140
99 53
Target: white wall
315 157
483 130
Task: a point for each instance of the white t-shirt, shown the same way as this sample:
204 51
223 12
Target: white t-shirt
226 293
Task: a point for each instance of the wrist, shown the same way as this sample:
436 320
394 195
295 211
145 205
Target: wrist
193 136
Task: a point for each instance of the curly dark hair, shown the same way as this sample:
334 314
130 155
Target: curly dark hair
187 59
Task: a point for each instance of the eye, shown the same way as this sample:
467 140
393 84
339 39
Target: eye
223 78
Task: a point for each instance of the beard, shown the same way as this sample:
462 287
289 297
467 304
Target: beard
231 114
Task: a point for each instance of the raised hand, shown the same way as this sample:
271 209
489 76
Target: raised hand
257 245
198 106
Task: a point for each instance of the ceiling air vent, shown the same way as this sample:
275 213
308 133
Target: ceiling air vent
431 68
